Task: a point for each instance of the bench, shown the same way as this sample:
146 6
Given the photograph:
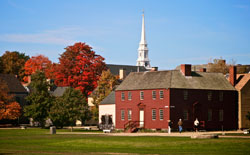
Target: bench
87 128
246 131
106 131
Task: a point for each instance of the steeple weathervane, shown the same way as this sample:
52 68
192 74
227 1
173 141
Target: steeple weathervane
143 49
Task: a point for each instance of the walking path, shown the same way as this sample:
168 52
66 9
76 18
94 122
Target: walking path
173 134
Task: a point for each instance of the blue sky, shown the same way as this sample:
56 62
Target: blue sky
177 31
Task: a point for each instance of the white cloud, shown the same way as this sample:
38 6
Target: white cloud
241 6
61 36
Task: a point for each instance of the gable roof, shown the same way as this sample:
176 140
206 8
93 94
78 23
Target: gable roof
13 83
110 99
59 91
175 79
244 78
114 69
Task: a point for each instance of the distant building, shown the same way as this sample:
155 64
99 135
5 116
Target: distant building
149 99
242 85
17 90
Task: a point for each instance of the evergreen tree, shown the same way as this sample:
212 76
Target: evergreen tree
39 100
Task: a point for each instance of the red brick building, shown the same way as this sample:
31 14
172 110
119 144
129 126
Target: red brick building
148 100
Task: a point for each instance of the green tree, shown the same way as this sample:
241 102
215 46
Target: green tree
13 63
68 108
106 83
39 100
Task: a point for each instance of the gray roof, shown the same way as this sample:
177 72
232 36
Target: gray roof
110 99
114 69
13 83
175 79
59 91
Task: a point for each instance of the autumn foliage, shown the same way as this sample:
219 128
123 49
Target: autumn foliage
13 63
35 63
8 108
80 68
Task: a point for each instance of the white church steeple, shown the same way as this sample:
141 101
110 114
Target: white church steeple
143 49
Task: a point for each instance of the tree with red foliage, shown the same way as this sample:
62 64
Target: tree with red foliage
8 108
35 63
80 68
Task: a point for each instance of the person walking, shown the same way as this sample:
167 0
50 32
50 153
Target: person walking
169 126
180 123
196 124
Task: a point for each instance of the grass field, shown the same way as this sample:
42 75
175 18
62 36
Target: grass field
39 141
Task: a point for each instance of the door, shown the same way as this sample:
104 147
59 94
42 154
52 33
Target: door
141 118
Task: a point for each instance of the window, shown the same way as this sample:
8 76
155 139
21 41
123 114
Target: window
122 114
123 96
209 95
161 94
221 96
153 114
209 115
142 95
185 115
161 114
129 114
129 95
185 94
153 94
221 115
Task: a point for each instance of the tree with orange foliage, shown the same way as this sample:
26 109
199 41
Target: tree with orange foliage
80 68
35 63
9 109
13 63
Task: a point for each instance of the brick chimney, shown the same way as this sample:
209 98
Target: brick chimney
203 70
186 69
232 75
122 73
154 69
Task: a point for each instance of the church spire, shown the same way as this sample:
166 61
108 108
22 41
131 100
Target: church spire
143 35
143 49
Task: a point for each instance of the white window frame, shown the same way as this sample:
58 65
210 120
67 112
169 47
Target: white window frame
153 94
123 96
129 95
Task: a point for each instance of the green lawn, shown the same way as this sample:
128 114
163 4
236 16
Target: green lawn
34 141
